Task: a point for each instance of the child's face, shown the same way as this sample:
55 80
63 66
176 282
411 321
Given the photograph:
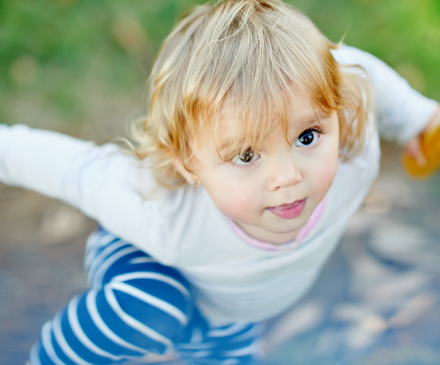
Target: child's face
271 194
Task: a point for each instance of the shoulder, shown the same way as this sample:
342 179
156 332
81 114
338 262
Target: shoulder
354 60
348 55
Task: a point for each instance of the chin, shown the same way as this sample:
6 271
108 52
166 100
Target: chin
284 229
289 227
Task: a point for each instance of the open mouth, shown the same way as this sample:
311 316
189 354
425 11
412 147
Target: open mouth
289 211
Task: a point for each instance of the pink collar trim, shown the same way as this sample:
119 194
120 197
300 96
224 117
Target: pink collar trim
302 234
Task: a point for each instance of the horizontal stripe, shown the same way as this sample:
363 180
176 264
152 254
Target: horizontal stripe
230 362
154 276
97 320
99 259
47 344
79 333
141 260
132 322
249 350
62 343
110 260
34 355
136 308
96 335
154 301
232 330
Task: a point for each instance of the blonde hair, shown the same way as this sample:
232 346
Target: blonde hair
248 54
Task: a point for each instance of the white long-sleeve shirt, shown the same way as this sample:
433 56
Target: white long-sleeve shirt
234 281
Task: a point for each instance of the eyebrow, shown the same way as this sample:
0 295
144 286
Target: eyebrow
301 125
317 117
226 144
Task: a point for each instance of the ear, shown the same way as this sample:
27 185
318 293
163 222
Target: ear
188 176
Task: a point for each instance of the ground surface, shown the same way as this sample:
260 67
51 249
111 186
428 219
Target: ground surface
376 302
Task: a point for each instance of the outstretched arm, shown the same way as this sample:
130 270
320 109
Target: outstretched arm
402 112
101 181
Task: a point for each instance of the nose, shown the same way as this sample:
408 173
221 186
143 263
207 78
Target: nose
284 173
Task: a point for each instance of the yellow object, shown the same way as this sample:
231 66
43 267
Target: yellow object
430 146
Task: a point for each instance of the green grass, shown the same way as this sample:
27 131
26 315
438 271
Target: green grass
61 59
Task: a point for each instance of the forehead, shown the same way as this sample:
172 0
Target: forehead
235 129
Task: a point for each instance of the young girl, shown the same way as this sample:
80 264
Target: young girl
258 148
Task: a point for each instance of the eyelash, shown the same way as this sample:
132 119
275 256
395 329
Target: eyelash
245 165
314 129
236 158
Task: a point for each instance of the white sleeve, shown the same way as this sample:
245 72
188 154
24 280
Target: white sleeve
98 180
401 111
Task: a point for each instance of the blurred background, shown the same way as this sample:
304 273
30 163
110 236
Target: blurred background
81 67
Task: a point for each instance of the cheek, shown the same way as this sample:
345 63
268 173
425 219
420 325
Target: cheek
234 201
327 177
325 174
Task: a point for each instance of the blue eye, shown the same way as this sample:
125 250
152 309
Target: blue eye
307 138
246 157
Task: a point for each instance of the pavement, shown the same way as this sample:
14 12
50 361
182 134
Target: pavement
376 302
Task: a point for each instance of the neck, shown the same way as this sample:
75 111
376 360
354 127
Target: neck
262 235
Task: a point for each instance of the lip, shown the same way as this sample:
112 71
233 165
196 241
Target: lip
289 211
